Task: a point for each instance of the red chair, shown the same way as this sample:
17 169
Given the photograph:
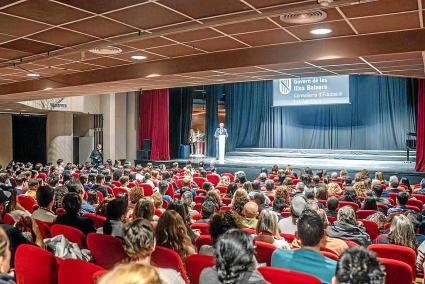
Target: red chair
288 237
222 189
203 227
331 219
397 272
167 258
199 199
285 214
371 228
296 181
348 203
8 219
170 191
72 234
100 196
413 207
329 254
60 211
400 253
393 196
231 176
118 190
351 243
420 197
179 183
106 250
44 229
226 200
27 202
415 202
200 191
73 271
199 181
158 212
177 196
46 270
225 208
249 231
363 214
383 207
116 183
197 207
197 217
276 275
195 264
213 178
147 189
98 220
264 252
203 240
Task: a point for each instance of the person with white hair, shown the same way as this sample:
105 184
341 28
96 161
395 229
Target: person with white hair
394 182
299 189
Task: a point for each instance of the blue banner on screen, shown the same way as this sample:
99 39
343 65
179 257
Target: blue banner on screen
311 91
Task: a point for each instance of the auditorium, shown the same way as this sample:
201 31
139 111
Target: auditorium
212 141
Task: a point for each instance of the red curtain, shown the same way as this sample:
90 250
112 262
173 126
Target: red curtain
153 122
420 131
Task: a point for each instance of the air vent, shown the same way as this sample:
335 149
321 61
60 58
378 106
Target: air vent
106 50
304 18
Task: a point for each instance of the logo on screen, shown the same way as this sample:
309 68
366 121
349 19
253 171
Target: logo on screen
285 86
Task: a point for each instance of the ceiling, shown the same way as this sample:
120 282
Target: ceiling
197 42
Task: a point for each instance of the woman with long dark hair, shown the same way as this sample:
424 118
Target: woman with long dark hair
116 211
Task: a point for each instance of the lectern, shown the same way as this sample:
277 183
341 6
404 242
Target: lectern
221 147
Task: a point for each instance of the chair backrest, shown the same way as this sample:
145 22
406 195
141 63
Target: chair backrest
401 253
116 183
147 189
198 207
383 207
168 258
371 228
363 214
34 265
76 271
170 191
226 200
199 181
197 217
98 220
420 197
348 203
118 190
60 211
231 176
264 251
106 250
44 228
100 196
203 240
329 254
331 219
225 208
72 234
288 237
415 202
413 207
27 202
203 227
195 264
213 178
397 272
8 219
276 275
249 231
199 199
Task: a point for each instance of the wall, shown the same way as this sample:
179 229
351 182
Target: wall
6 143
120 126
59 136
132 125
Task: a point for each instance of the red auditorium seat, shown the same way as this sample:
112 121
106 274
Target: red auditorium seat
195 264
383 207
249 231
170 191
8 219
179 183
213 178
203 240
116 183
231 176
225 208
276 275
331 219
415 202
147 189
363 214
27 202
107 258
200 191
60 211
226 200
393 196
420 197
414 208
401 253
222 189
73 271
371 228
329 254
351 243
199 199
34 265
167 258
199 181
203 227
296 181
197 207
264 251
44 228
348 203
100 196
197 217
288 237
118 190
72 234
397 272
158 212
98 220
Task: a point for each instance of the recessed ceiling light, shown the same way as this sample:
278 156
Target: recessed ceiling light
33 75
138 57
321 31
48 89
153 75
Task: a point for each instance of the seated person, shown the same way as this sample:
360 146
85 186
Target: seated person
235 261
32 188
311 232
77 187
289 225
332 205
421 190
394 185
401 233
207 210
163 187
416 220
72 204
377 192
346 227
358 265
249 216
44 198
369 204
100 185
267 230
401 200
220 223
116 211
126 273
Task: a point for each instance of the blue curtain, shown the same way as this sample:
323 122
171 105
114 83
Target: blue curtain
380 114
213 93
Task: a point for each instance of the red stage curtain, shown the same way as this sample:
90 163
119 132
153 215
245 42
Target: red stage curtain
153 122
420 141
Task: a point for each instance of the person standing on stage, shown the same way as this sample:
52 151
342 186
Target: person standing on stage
96 156
219 131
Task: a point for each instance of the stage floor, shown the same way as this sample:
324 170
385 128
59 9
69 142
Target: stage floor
253 159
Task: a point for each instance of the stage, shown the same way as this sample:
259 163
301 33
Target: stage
251 160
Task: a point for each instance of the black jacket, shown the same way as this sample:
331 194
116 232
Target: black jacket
346 231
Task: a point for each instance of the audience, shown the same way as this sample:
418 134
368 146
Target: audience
401 201
401 233
44 197
131 273
116 211
267 230
289 225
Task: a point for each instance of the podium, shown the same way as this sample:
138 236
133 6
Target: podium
221 147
